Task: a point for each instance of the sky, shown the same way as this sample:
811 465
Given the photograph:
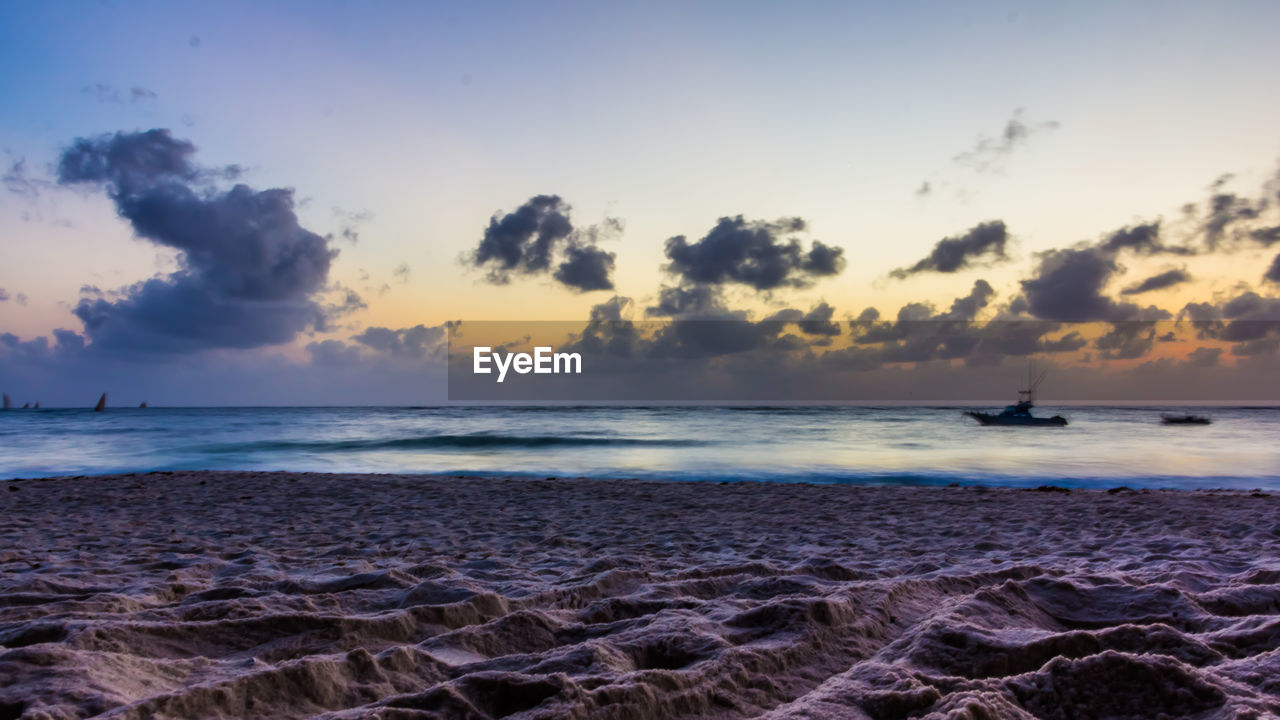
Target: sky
405 165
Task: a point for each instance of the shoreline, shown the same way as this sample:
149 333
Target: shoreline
278 594
905 480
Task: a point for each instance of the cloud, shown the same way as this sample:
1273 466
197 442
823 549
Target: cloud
1204 356
990 153
1142 240
1226 210
416 342
528 240
18 182
248 274
1069 284
586 268
984 242
4 296
817 321
401 273
925 189
688 301
762 255
1160 281
104 92
1273 272
1244 318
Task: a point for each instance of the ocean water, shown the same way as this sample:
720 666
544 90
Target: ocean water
1102 447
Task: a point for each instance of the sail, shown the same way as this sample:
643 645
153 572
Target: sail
7 402
102 403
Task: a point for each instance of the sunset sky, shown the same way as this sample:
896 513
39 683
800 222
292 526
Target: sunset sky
404 128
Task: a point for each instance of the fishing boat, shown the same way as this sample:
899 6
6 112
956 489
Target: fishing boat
1019 414
1185 419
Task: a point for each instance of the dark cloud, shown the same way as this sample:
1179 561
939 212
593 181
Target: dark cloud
1244 318
401 273
1267 236
1225 211
528 240
817 321
991 152
1204 356
586 268
967 308
762 255
1160 281
689 301
1127 340
983 243
1273 272
924 190
419 341
1141 240
248 274
1068 285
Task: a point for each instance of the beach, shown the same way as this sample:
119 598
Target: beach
291 595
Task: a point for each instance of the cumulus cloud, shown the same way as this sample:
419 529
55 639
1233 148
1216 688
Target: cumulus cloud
760 254
585 268
248 275
528 240
982 244
1068 285
1159 281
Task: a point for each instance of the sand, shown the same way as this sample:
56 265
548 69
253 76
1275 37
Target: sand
276 595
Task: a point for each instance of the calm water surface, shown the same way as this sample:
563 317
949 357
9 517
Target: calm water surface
1103 446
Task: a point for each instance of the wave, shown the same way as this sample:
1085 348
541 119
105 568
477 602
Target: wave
445 442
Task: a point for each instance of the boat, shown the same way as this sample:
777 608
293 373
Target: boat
1019 414
1185 419
102 403
4 399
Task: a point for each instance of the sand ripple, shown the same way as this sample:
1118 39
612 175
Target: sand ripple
274 595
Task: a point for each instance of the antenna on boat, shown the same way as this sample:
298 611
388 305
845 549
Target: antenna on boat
1033 382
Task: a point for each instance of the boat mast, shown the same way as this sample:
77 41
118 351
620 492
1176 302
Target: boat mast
1033 381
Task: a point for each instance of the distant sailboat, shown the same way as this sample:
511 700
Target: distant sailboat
36 406
7 403
26 406
102 403
143 406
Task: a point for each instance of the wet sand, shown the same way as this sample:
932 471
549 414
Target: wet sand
284 595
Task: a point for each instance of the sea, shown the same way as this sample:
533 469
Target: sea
1102 447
